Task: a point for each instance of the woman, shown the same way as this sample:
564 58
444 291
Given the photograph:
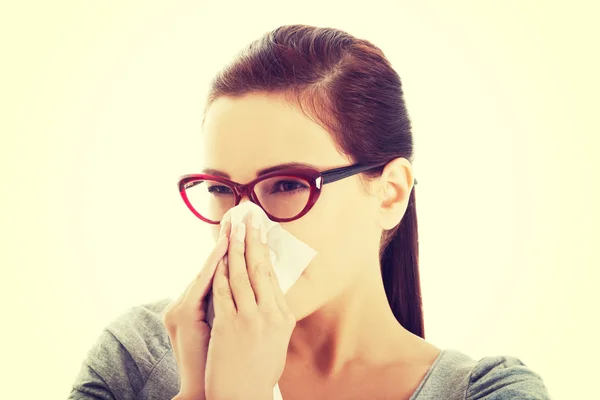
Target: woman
300 108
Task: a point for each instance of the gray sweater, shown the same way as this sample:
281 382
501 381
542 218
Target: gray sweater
133 359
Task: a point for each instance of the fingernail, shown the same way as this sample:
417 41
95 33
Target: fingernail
263 234
255 220
240 234
225 219
223 228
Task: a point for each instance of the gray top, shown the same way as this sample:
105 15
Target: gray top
133 359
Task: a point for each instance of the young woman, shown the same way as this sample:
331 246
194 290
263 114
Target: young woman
310 124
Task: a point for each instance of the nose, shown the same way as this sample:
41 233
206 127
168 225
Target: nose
244 192
244 199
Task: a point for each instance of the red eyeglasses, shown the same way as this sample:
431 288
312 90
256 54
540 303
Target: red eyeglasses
285 195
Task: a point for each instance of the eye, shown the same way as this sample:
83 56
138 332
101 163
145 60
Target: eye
219 189
288 186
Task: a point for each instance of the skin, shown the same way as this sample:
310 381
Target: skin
345 328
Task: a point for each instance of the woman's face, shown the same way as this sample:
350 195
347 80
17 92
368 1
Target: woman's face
247 134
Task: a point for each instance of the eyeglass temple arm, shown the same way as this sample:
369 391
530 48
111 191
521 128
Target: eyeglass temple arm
340 173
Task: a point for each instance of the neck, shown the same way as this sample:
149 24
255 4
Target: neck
357 328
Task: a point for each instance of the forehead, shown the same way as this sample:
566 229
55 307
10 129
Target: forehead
243 135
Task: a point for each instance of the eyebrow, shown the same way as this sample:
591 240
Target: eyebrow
263 171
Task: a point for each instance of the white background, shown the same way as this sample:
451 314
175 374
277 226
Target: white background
101 109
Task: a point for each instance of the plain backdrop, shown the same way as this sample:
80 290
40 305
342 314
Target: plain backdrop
101 109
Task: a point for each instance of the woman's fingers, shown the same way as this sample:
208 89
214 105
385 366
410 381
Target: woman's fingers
198 290
247 283
259 265
243 293
188 309
188 331
223 302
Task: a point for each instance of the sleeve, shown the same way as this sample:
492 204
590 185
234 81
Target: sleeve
104 372
123 357
504 378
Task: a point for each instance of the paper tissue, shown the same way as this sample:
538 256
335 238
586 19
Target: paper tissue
289 255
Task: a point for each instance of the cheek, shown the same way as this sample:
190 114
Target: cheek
338 230
324 228
341 224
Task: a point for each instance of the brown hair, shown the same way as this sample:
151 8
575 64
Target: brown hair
346 85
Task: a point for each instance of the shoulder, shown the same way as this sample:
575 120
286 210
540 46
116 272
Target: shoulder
457 376
141 331
130 352
505 377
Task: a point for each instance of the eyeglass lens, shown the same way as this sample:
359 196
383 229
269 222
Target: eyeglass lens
281 196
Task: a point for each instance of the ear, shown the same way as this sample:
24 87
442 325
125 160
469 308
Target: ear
394 187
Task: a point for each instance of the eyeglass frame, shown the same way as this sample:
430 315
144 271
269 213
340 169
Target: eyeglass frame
314 177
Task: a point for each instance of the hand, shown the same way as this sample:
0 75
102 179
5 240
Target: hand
188 331
252 326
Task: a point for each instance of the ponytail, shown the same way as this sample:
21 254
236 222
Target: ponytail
400 271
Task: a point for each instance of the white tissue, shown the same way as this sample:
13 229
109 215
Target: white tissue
289 255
